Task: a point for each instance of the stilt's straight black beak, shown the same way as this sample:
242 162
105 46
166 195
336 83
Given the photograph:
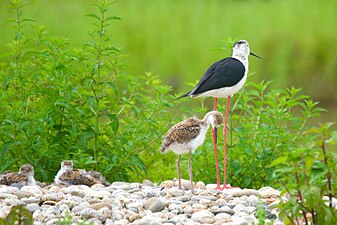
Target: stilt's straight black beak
216 135
255 55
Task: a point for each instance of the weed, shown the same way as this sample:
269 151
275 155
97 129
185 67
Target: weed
307 176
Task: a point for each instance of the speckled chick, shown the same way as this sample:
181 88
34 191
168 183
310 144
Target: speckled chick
25 177
187 135
69 176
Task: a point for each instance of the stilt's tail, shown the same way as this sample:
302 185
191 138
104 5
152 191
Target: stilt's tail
183 96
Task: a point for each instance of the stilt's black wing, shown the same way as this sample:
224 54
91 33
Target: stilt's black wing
224 73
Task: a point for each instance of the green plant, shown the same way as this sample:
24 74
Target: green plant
67 220
18 215
60 102
307 173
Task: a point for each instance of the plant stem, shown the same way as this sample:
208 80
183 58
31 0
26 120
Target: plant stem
329 173
300 194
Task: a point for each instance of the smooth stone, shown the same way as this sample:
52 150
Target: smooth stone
52 197
147 183
198 207
252 200
211 186
154 204
236 201
77 209
149 193
179 219
121 222
208 197
89 213
109 222
167 184
104 213
185 184
240 208
203 216
30 200
268 192
94 221
38 223
224 217
239 221
188 210
7 196
52 221
146 220
99 194
200 185
53 210
137 206
247 192
35 190
100 205
117 215
8 189
226 209
175 207
32 207
64 207
132 216
119 185
74 190
39 216
23 194
214 209
184 198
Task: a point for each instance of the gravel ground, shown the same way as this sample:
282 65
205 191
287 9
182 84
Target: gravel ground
141 203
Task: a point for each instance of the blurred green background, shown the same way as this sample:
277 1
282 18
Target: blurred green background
178 40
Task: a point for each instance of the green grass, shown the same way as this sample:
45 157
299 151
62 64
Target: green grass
177 39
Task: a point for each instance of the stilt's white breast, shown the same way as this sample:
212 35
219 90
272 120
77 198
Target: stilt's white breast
183 148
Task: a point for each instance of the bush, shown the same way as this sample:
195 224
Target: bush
59 103
307 174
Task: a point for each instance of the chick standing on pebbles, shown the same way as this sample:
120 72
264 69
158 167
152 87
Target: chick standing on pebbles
187 135
69 176
24 177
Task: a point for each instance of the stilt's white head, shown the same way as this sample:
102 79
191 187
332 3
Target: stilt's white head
214 118
67 165
27 170
241 50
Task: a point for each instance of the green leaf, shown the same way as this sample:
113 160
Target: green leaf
278 161
114 122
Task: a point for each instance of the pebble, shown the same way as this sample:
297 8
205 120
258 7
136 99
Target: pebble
140 203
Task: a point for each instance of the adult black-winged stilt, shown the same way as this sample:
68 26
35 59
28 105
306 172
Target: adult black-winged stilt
223 79
69 176
186 136
25 176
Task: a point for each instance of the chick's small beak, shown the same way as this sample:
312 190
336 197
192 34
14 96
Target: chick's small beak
255 55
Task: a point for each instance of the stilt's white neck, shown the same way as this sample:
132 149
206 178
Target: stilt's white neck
31 181
242 58
58 175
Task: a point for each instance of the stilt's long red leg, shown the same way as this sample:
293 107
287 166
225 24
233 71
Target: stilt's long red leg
225 143
216 151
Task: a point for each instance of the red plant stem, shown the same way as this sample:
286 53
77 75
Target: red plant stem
329 174
300 194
